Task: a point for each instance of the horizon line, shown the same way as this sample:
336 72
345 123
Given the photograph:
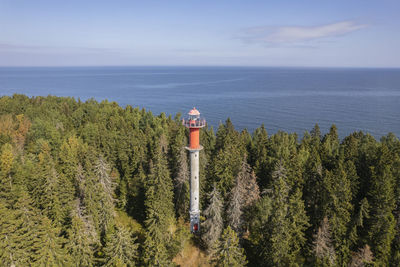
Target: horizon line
199 66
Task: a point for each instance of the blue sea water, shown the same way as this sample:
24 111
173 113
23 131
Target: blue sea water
287 99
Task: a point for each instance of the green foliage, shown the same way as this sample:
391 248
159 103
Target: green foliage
92 184
50 251
159 212
283 229
82 240
382 222
6 164
213 225
120 249
228 252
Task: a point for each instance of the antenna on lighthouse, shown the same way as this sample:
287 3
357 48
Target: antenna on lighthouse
194 123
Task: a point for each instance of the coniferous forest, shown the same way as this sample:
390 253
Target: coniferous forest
96 184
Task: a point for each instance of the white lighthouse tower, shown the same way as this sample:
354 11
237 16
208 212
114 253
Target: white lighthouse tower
194 123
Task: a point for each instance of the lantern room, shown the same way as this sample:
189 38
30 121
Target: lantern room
194 114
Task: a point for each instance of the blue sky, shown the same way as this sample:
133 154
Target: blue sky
331 33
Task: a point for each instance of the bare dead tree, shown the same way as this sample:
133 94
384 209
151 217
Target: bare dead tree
323 248
234 211
102 170
362 257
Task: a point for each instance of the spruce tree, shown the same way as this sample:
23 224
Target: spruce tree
358 231
235 210
314 188
181 185
8 255
228 252
242 196
223 172
82 238
96 192
381 225
259 155
120 249
213 225
159 212
71 153
246 181
50 246
338 208
330 148
46 186
19 227
284 229
6 164
28 238
229 150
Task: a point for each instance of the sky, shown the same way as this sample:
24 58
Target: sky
309 33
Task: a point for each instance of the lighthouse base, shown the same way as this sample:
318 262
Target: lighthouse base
194 221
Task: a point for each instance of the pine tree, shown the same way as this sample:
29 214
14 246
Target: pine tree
229 253
159 212
213 225
120 249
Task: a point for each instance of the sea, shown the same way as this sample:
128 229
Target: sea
283 99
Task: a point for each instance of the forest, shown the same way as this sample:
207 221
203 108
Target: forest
97 184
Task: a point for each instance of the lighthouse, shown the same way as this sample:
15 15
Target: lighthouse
194 123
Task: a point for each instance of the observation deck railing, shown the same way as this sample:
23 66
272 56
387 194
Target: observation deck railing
199 123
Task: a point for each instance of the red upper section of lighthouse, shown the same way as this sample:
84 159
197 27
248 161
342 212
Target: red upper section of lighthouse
194 123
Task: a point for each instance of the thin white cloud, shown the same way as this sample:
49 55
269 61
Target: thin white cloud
297 34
